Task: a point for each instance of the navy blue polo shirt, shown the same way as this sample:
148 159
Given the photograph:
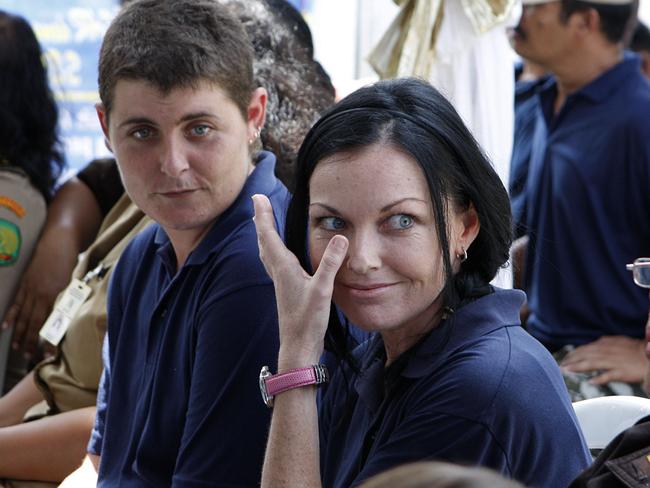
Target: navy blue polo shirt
179 400
526 107
478 390
588 209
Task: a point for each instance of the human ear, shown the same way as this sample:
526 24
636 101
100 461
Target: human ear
466 229
256 112
587 21
103 121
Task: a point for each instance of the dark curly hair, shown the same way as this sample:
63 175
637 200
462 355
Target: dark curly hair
298 87
28 112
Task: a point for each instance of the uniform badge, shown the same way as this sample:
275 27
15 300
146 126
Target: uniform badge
12 205
10 242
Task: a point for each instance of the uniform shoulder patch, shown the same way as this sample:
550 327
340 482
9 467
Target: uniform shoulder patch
10 242
12 205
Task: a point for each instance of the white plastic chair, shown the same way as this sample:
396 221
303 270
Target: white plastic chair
601 419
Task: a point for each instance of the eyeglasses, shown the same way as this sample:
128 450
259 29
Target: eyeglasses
641 271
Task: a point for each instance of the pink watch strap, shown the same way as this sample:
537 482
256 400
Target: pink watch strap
271 385
294 378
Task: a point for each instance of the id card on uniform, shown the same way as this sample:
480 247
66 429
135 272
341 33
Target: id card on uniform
59 320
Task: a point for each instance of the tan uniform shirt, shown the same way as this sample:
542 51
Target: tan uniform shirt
70 379
22 215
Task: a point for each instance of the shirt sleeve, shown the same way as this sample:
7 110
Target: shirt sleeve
236 335
103 179
97 434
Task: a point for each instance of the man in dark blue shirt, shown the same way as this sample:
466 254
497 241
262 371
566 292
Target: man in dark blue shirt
528 79
191 310
587 192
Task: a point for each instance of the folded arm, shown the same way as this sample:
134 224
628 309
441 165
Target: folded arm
47 449
21 398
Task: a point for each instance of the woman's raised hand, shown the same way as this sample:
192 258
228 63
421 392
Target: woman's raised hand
303 301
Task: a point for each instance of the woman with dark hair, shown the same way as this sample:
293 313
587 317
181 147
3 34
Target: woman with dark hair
30 160
400 220
28 112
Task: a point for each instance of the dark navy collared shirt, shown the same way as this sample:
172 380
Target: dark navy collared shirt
526 107
179 402
478 390
588 209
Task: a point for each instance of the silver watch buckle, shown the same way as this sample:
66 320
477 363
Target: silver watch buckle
320 376
264 374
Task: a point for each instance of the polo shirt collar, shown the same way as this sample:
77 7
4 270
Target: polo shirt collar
475 319
601 88
261 180
525 88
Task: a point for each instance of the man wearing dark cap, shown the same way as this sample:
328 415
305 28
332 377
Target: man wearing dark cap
587 192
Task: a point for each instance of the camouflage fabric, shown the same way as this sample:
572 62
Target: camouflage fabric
581 389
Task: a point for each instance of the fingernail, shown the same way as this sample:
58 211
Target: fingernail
4 326
339 242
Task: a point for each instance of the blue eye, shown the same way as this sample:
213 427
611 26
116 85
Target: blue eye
200 130
332 223
400 222
142 133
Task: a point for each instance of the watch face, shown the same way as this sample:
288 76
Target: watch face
264 375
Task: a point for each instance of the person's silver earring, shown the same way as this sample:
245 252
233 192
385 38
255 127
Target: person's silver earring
462 256
254 138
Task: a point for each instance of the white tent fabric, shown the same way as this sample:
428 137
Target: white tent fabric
465 54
